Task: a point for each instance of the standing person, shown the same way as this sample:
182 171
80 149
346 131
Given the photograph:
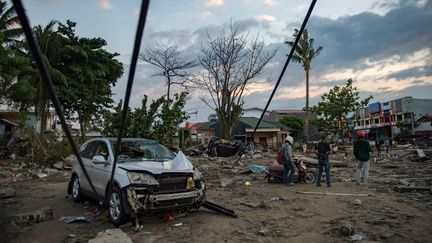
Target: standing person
362 150
323 150
378 146
286 156
387 145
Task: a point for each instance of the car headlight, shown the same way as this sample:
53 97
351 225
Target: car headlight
141 178
197 176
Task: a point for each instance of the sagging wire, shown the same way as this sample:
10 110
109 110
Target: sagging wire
300 33
135 53
37 55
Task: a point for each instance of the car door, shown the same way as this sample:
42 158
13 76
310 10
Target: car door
87 152
101 172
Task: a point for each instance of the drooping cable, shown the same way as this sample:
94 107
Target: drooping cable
300 33
135 54
37 55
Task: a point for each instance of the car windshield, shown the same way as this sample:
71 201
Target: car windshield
138 151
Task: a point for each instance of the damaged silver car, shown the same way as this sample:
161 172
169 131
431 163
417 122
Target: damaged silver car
149 178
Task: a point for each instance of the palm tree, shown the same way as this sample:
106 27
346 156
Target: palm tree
304 53
8 23
48 41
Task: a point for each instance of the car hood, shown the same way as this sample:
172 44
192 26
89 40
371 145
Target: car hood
180 164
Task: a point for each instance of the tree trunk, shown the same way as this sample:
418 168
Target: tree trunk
82 126
306 124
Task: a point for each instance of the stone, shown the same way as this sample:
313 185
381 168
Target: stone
7 192
346 230
356 202
111 235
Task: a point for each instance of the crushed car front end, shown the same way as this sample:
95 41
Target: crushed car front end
170 191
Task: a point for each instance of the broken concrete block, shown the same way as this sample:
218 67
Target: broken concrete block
7 192
42 214
111 235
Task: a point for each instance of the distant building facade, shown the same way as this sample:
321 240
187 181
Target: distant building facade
390 118
276 115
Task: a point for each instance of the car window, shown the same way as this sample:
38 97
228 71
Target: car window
143 151
103 150
89 150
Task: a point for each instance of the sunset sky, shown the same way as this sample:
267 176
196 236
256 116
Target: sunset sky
384 46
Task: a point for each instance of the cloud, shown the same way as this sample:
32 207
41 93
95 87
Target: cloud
214 3
270 2
266 18
104 5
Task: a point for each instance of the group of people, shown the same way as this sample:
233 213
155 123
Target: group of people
362 154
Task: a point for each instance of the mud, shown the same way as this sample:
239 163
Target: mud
281 214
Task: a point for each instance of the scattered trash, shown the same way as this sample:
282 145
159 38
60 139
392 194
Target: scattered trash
75 219
334 194
357 237
168 217
111 235
42 214
42 175
356 202
247 183
226 182
178 224
258 169
264 232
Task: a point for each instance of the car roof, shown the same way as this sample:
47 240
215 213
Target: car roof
112 139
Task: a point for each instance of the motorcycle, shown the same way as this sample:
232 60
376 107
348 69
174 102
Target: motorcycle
274 173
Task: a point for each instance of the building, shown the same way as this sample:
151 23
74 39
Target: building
268 134
196 134
391 118
423 126
7 129
254 112
30 119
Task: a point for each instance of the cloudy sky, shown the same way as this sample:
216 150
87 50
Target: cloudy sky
385 46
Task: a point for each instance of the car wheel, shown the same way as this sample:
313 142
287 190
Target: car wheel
76 189
116 206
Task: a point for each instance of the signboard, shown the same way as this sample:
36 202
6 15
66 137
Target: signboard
374 107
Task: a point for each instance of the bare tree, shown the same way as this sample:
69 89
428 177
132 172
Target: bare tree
173 65
230 62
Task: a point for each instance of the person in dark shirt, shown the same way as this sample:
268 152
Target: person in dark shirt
323 150
362 150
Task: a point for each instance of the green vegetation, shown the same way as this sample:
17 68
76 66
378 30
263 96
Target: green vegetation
294 123
336 105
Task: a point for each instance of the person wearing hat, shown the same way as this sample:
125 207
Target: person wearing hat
286 156
362 150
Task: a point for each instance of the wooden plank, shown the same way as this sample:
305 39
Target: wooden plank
412 188
335 194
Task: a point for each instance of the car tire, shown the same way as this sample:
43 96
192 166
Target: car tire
76 193
116 206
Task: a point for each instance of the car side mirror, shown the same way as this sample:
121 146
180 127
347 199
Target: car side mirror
99 159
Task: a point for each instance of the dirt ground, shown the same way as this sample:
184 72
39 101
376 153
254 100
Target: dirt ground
266 212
